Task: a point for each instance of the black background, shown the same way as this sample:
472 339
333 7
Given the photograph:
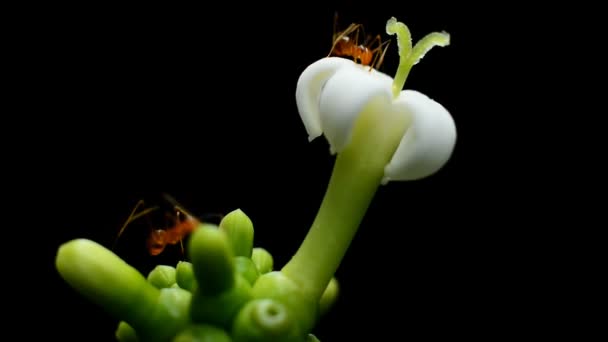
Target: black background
199 102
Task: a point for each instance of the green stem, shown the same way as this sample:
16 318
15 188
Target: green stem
346 201
357 173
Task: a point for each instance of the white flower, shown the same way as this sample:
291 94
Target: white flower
331 94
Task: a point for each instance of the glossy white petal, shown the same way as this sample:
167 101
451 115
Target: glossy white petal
331 94
427 144
343 98
308 91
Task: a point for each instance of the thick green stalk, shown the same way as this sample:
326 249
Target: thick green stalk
357 173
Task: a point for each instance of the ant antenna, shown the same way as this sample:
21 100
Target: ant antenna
333 34
176 204
132 217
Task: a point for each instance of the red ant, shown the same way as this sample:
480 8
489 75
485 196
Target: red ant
344 46
179 223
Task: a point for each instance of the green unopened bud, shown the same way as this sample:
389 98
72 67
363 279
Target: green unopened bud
311 338
262 259
329 296
276 285
220 309
103 278
239 229
162 276
212 260
202 333
125 333
173 311
263 320
246 268
185 276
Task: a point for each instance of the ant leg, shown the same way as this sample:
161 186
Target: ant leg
178 207
129 220
169 199
388 42
378 61
181 245
357 35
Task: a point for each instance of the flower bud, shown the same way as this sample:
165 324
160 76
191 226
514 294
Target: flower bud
212 260
162 276
106 280
202 333
262 259
329 296
311 338
125 333
263 320
246 268
239 229
185 276
172 310
275 285
220 309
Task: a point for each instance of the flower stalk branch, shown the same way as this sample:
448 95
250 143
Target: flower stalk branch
357 174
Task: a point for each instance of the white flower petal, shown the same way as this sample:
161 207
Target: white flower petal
427 144
343 98
308 91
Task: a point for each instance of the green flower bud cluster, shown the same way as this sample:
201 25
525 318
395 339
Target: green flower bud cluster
227 291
